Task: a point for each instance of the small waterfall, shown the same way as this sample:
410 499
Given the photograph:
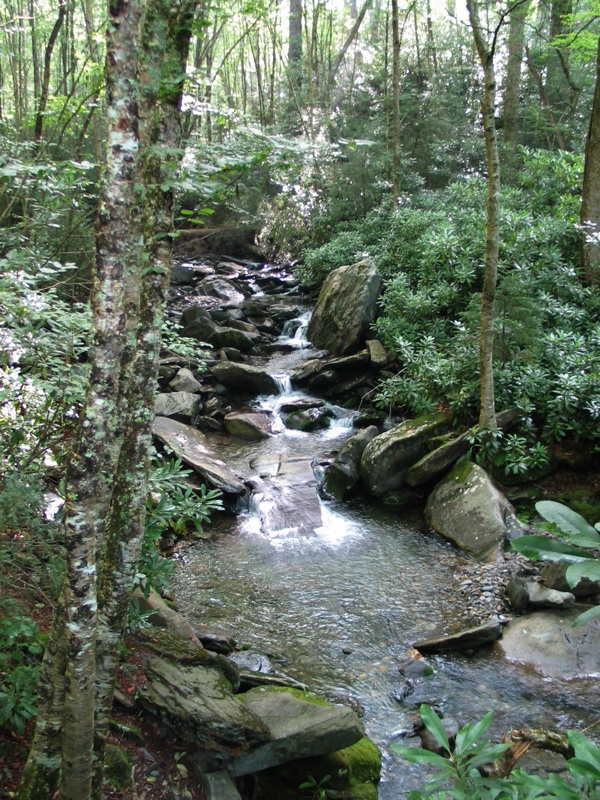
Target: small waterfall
284 383
294 331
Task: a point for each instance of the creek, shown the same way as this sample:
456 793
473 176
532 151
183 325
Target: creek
336 592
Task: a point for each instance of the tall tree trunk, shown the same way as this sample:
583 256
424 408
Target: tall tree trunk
107 489
590 194
349 39
39 120
487 406
395 101
512 90
295 43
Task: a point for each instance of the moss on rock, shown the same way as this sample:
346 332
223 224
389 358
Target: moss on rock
117 767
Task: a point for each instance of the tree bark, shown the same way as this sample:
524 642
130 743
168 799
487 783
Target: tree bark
39 120
516 40
487 408
590 194
395 101
107 477
295 43
349 39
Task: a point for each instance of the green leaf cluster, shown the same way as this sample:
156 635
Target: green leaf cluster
572 541
463 771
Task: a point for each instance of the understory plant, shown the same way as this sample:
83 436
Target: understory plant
466 769
572 541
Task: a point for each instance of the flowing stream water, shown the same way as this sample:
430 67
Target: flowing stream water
336 592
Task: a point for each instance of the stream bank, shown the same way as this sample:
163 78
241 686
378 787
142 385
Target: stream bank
337 592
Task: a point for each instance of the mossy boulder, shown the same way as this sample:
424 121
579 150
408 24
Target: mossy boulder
466 508
346 307
386 459
353 774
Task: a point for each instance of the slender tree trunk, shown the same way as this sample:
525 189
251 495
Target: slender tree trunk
39 120
512 91
395 101
487 407
590 195
349 39
295 43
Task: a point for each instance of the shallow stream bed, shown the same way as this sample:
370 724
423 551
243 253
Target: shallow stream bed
337 592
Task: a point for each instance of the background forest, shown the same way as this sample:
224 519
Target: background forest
316 133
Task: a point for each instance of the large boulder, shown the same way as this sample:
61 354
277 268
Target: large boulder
346 307
299 728
244 378
386 459
197 701
191 446
198 324
466 508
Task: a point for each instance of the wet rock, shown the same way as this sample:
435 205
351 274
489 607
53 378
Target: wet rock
244 378
301 404
185 274
547 641
256 669
346 307
468 639
198 703
522 594
428 740
251 426
385 460
184 381
402 691
437 462
344 473
466 508
554 576
177 404
192 447
215 639
161 615
309 419
298 728
222 290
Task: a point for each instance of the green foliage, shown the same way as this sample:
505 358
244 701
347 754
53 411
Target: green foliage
31 553
547 339
20 652
174 506
461 770
511 453
316 788
575 542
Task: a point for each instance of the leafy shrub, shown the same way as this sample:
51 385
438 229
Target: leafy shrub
574 542
20 652
461 768
173 507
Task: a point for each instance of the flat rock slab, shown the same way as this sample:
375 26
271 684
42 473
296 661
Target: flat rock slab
463 640
219 786
294 469
191 446
299 729
547 641
252 426
198 703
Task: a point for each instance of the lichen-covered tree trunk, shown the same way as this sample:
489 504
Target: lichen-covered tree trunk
487 406
163 47
107 478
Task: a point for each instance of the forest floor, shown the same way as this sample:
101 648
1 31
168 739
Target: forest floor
157 765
